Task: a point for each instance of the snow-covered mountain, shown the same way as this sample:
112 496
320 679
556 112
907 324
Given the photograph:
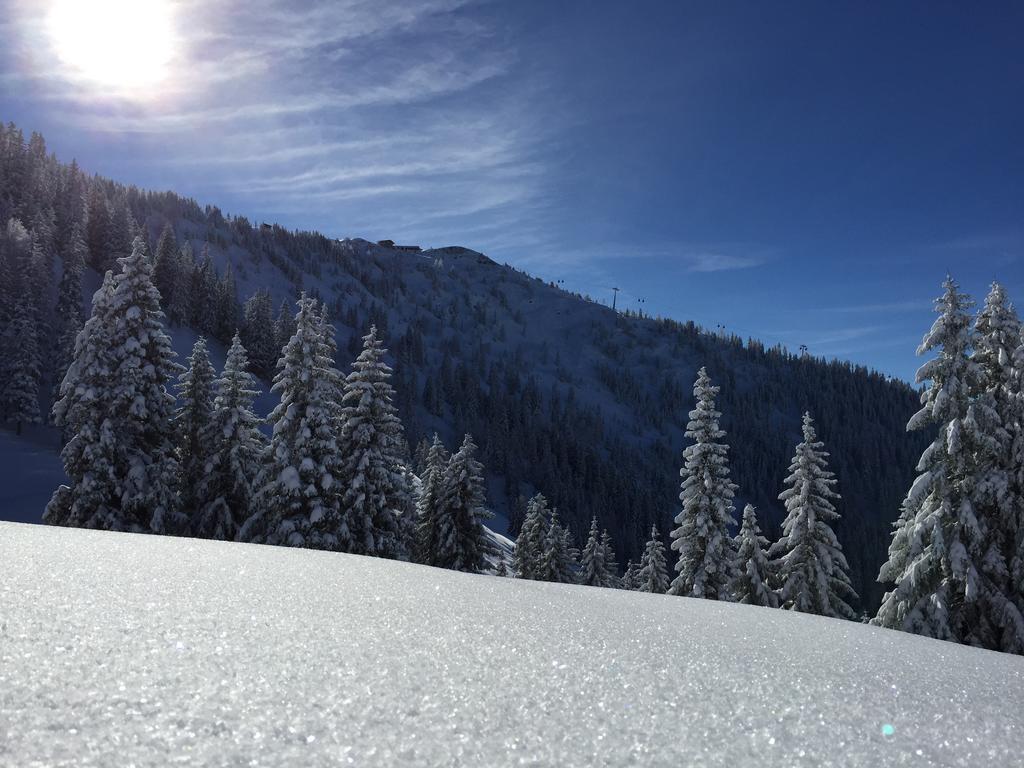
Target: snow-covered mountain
563 395
144 650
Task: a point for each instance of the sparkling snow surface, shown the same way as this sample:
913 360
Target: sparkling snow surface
120 649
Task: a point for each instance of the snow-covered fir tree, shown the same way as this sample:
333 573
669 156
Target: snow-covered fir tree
284 326
631 578
258 332
998 412
68 313
429 500
1016 588
142 365
653 573
559 560
753 583
937 558
90 500
20 397
298 493
192 425
593 569
702 533
810 567
376 489
611 565
462 542
236 449
114 400
165 268
529 549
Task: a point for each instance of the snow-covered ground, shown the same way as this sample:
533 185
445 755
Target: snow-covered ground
119 649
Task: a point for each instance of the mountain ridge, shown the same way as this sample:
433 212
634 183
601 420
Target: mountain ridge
563 395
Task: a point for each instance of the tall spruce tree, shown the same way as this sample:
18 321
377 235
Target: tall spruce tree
236 449
611 566
1016 589
429 500
593 570
937 558
653 573
753 584
114 400
68 320
702 536
462 541
297 501
997 412
165 267
558 561
192 424
529 549
631 578
376 489
258 332
90 501
20 397
142 365
809 562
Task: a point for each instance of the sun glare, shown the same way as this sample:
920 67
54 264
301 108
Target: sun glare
124 45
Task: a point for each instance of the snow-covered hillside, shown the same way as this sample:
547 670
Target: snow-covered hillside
119 649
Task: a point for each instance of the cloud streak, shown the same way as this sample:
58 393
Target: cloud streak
383 117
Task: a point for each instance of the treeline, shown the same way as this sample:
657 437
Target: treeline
805 570
955 569
600 435
334 474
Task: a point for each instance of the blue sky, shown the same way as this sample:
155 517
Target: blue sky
801 172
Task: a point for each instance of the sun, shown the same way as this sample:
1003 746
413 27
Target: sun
123 45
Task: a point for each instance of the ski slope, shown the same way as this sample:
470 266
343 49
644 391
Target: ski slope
119 649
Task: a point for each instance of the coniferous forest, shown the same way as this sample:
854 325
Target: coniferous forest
619 460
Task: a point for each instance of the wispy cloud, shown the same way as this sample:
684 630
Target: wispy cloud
386 117
891 307
717 261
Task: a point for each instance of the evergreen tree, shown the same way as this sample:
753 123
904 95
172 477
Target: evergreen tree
297 502
236 448
429 501
558 562
937 556
258 332
376 490
165 273
702 536
593 571
192 424
98 229
114 400
610 565
753 571
809 562
91 499
142 365
462 542
997 412
1016 588
21 391
420 457
69 309
529 550
653 573
284 326
631 578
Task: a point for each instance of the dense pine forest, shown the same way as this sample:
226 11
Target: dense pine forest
563 395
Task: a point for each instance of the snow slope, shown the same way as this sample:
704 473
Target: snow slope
118 649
